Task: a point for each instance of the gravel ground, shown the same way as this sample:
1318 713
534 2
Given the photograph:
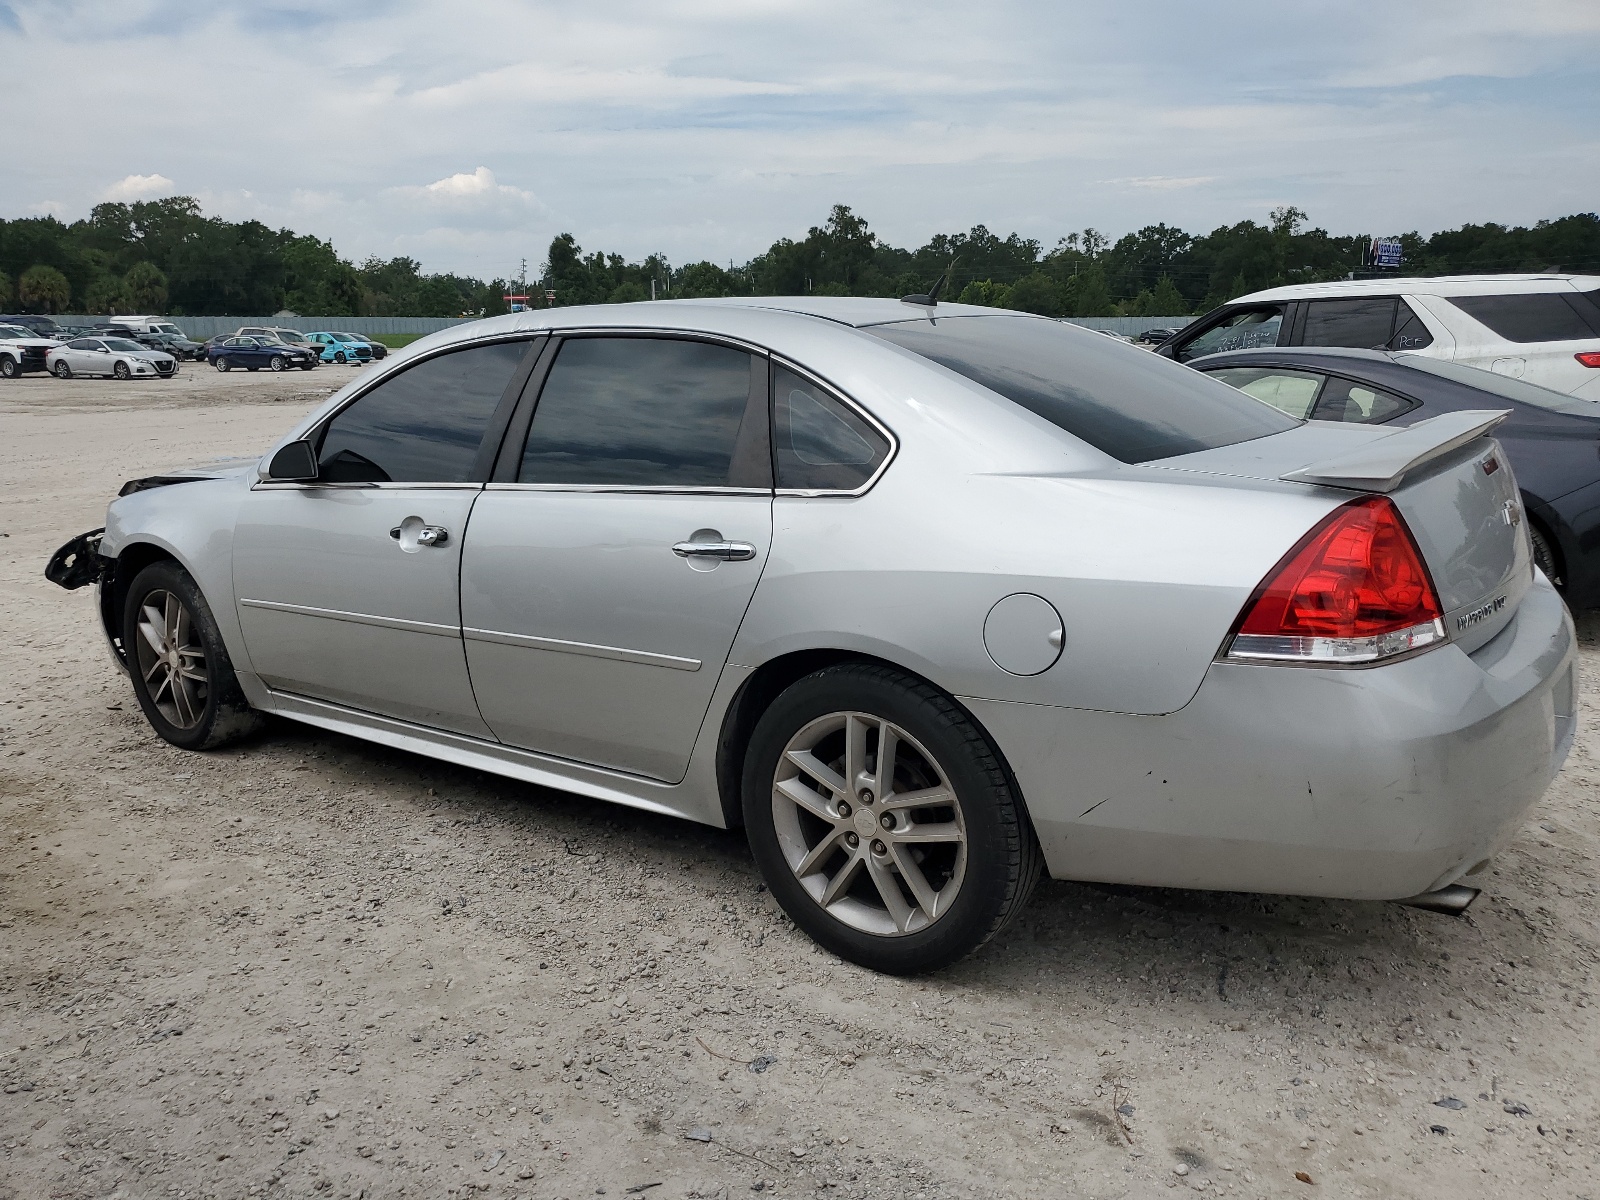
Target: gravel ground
311 966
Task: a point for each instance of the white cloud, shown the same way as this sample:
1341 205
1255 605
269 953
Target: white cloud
476 184
138 187
1162 183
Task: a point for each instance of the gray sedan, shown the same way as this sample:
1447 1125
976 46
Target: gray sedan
930 600
114 356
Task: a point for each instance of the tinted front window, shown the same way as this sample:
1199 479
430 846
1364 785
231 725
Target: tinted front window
1364 324
1532 317
1290 392
122 345
1243 330
818 443
1129 403
423 425
645 412
83 344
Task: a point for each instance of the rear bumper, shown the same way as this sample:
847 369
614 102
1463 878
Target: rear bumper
1365 784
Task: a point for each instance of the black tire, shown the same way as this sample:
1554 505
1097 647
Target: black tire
1003 861
277 362
1544 555
252 370
216 711
121 370
61 370
10 368
222 364
338 356
307 366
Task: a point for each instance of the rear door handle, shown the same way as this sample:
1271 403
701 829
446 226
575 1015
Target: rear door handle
727 551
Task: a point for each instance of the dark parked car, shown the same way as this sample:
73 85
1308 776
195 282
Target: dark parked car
253 353
178 347
42 326
1552 440
1154 337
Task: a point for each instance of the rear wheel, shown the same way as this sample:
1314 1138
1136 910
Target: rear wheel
1544 555
883 820
222 364
61 370
181 672
121 370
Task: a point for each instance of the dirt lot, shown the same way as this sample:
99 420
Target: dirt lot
310 966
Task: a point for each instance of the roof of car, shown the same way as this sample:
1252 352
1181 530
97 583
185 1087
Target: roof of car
1442 285
1293 353
857 311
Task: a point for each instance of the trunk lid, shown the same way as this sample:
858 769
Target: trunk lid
1454 487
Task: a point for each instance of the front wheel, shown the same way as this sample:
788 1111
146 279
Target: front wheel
277 362
181 672
338 356
9 368
62 371
121 370
883 820
223 364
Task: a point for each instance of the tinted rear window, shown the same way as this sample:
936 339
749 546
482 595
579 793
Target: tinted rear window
1129 403
1533 317
1501 385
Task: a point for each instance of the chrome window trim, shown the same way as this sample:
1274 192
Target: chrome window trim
334 614
628 489
281 485
588 649
845 399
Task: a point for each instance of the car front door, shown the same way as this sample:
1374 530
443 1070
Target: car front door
347 587
609 564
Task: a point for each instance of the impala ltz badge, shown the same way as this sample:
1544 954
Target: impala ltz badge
1482 613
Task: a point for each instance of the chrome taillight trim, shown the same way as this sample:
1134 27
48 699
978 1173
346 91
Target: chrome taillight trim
1262 647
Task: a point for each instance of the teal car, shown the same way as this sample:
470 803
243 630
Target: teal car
341 347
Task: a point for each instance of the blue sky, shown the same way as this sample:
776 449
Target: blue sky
467 135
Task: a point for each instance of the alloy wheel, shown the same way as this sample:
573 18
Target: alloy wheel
172 659
869 824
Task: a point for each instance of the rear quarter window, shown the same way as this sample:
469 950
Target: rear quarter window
1534 316
1129 403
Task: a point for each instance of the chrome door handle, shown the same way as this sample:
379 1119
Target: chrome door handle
728 551
427 535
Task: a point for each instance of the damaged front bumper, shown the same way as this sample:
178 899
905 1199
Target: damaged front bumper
80 563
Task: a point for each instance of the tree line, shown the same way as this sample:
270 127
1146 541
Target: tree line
167 256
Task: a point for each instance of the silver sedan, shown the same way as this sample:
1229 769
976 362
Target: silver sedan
114 356
929 599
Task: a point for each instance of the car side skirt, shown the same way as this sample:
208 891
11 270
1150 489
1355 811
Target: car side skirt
694 798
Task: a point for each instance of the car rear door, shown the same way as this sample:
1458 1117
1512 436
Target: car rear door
347 587
609 564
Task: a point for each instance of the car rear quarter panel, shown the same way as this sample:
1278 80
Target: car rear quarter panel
1148 574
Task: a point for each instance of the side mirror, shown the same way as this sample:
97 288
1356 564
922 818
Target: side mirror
294 463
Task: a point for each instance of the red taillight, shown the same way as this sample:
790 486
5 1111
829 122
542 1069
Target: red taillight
1589 358
1354 590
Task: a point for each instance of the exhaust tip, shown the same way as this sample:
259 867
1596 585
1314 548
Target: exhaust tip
1452 900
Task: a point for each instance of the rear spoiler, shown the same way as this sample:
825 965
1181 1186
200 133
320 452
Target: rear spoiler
1380 465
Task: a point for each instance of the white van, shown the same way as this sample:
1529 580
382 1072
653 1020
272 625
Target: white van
1542 328
147 325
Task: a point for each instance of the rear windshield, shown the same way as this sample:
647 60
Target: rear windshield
1535 316
1501 385
1131 404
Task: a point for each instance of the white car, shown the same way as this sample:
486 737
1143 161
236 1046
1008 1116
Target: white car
22 350
113 356
1542 328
